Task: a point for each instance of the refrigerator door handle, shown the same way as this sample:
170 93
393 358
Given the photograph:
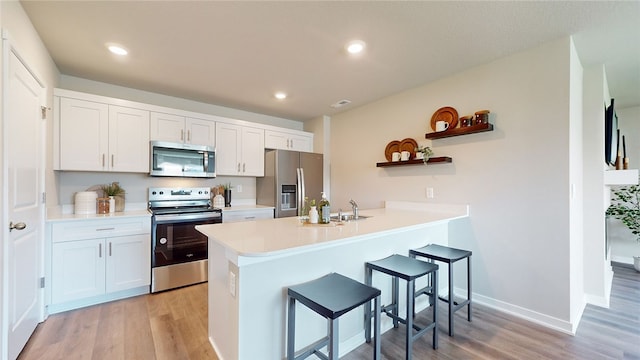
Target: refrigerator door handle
298 192
303 192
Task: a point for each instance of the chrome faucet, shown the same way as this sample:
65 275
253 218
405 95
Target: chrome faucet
354 207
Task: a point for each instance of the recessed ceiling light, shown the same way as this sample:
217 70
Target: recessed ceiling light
280 95
355 46
118 50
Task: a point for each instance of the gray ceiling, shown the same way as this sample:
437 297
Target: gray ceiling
237 53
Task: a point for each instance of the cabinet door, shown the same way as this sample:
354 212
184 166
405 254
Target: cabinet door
167 127
301 143
201 132
128 262
276 140
84 127
252 152
77 270
228 150
128 139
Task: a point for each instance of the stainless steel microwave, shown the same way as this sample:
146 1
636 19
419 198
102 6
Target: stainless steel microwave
182 160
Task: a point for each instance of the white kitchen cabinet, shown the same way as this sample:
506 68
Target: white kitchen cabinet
239 150
288 141
101 137
93 259
229 216
181 129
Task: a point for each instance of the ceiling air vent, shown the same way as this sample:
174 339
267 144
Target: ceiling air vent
341 103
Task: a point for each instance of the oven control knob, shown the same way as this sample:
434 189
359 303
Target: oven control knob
163 241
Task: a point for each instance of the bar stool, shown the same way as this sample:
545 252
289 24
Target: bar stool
450 256
331 296
408 269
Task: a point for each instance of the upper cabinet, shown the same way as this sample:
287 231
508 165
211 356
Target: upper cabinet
181 129
239 150
288 140
101 137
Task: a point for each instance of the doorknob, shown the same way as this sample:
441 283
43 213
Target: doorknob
18 226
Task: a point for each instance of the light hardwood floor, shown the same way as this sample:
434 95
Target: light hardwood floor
173 325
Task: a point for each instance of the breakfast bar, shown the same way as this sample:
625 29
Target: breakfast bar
251 264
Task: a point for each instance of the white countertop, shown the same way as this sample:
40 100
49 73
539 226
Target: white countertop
281 236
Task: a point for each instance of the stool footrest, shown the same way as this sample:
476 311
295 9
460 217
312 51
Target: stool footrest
456 303
313 349
403 321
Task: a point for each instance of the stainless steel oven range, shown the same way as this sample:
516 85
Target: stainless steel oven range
179 251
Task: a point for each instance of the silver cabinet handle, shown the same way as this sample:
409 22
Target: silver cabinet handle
17 226
109 248
238 167
100 250
112 160
244 167
103 160
182 134
188 135
105 229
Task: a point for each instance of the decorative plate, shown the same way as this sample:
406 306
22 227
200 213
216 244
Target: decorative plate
447 114
409 145
391 148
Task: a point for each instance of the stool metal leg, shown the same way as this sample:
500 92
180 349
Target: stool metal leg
394 300
368 274
434 296
291 328
376 326
469 288
451 302
333 339
409 318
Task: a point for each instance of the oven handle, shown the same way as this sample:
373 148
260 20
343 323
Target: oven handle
186 217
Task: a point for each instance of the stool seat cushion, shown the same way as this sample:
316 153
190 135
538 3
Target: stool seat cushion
441 253
405 268
333 295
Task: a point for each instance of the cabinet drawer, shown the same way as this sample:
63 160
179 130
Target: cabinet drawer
100 228
246 215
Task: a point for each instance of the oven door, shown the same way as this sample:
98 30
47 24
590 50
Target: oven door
176 240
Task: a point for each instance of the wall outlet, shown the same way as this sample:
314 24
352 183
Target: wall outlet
232 283
429 193
239 188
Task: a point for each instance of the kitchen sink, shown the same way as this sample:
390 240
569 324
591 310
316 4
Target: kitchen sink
349 218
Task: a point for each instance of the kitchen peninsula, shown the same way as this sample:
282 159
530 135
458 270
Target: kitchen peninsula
251 264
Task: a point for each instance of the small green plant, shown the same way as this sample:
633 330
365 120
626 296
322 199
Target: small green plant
626 208
112 189
426 153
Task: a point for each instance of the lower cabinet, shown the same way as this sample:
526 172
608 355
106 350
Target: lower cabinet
88 266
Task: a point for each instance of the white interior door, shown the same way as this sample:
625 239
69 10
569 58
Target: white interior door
24 143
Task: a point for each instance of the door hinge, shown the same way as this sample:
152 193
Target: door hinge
44 112
42 283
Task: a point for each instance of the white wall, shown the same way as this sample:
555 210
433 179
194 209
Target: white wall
575 199
516 179
623 243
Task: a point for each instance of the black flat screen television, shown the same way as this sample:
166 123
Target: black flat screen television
610 135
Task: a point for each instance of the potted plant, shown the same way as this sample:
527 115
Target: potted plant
626 208
425 152
116 193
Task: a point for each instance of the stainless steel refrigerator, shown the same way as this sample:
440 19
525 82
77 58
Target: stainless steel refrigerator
289 177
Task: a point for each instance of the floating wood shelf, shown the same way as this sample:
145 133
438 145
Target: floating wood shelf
459 131
433 160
